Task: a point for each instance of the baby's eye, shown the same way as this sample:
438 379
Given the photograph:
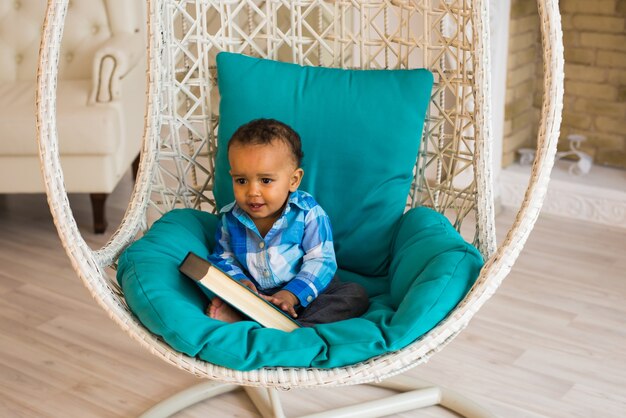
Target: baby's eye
240 181
266 180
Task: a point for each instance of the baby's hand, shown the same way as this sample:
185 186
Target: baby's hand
249 285
285 300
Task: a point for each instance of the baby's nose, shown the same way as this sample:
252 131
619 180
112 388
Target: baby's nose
253 190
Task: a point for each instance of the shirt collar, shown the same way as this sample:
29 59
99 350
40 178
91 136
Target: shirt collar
297 198
228 207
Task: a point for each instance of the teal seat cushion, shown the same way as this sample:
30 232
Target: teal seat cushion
360 132
431 269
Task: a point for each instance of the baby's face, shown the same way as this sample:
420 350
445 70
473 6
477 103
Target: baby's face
263 176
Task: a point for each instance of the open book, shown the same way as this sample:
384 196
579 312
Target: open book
236 294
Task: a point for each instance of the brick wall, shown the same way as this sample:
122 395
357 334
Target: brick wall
595 78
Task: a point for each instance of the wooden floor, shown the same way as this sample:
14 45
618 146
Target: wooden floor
550 343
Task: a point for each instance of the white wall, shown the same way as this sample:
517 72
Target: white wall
499 17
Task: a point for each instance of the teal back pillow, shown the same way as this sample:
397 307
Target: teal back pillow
360 132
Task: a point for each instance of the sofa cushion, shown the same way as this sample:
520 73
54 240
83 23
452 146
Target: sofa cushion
83 129
88 23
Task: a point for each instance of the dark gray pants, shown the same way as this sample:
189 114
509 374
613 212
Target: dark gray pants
337 302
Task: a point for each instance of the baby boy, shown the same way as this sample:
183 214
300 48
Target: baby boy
276 239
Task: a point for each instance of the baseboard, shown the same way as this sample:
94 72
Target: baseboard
599 196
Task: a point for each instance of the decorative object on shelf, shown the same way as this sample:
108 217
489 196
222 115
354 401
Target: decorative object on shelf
583 165
526 156
580 167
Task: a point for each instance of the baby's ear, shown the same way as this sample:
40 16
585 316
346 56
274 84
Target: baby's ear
296 178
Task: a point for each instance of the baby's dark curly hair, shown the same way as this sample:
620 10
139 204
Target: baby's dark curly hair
264 131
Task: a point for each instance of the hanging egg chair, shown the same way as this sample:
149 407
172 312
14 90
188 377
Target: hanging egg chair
205 59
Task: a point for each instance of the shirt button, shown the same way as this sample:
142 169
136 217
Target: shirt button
266 273
309 299
261 244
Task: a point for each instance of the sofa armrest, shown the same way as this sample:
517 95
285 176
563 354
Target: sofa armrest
115 58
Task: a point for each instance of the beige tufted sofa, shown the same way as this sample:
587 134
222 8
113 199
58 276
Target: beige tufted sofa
101 95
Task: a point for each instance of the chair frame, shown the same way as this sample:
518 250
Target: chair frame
151 192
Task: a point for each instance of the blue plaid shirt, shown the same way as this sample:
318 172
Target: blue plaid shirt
296 254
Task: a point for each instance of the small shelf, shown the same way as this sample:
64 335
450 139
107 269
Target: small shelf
599 196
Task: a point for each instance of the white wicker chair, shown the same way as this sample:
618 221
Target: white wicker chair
453 176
